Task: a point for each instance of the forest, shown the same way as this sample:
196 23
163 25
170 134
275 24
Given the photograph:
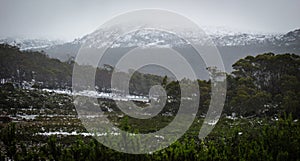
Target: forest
259 120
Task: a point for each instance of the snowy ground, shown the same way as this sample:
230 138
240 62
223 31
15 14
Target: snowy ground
95 94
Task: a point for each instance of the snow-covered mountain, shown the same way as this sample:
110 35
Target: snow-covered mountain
290 39
141 38
154 38
232 44
30 44
221 36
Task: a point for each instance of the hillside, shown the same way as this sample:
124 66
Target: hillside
39 69
231 45
34 67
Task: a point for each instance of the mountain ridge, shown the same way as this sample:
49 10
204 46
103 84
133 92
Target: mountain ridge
231 45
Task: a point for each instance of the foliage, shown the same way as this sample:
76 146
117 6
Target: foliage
267 84
264 89
246 141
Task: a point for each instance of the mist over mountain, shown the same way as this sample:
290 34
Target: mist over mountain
232 45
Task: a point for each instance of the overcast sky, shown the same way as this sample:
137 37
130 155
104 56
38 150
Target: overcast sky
69 19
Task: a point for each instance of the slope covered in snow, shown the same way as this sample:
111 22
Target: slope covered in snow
30 44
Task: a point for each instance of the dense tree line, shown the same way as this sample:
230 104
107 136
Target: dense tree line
266 84
18 66
36 67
